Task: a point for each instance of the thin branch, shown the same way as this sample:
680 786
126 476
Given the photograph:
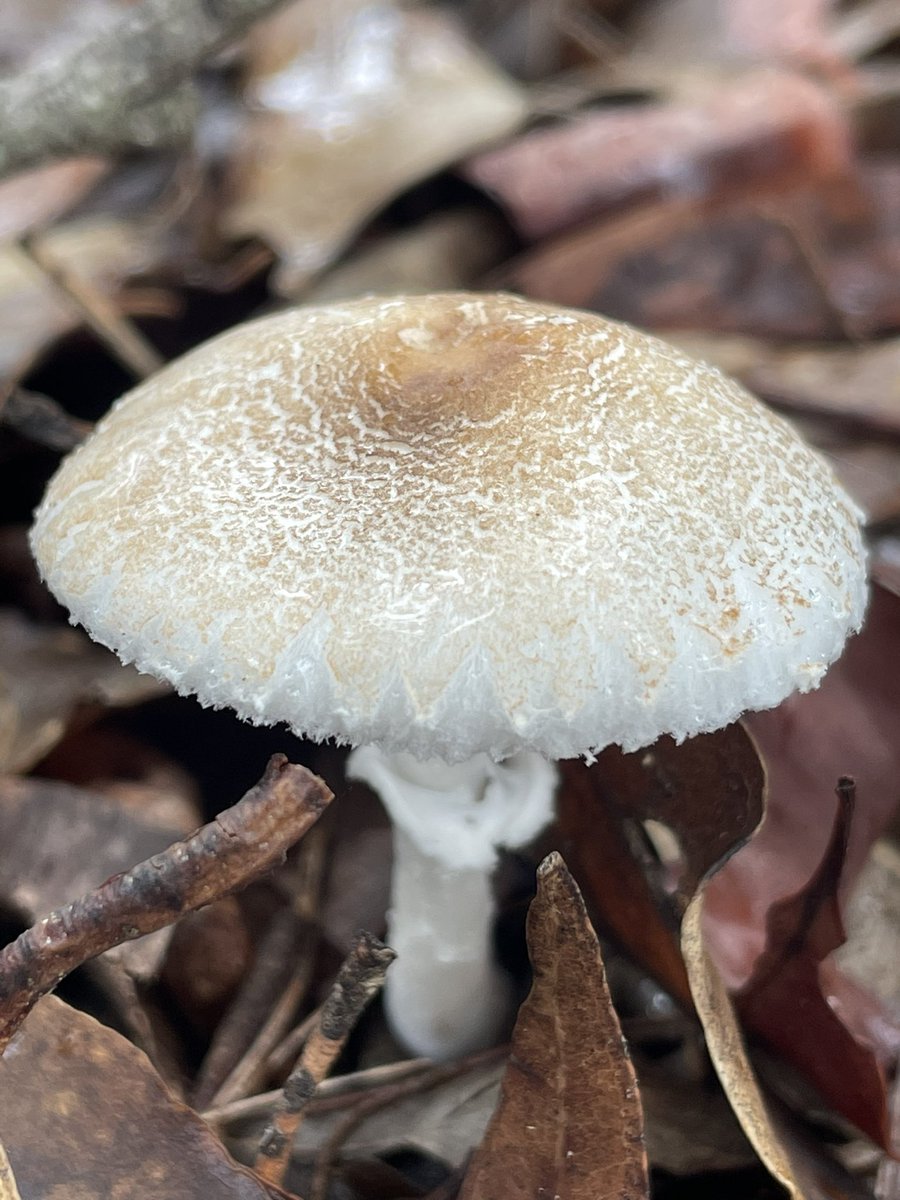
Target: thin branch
242 843
126 87
236 1064
332 1094
360 977
98 311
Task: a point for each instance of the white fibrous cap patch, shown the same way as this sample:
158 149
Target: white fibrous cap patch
456 524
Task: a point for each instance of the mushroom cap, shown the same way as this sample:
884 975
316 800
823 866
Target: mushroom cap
456 523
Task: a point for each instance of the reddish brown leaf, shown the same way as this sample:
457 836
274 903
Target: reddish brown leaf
784 1001
763 131
569 1122
621 900
849 726
83 1115
811 263
707 790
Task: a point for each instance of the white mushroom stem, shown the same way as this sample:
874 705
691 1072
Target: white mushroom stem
445 995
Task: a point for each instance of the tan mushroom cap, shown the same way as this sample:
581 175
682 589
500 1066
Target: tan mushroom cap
456 523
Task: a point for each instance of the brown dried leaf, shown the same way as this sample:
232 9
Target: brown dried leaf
83 1115
760 132
785 1003
809 263
569 1121
709 792
58 841
619 895
35 198
129 772
327 143
48 675
848 726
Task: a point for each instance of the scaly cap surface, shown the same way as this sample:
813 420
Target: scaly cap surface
456 523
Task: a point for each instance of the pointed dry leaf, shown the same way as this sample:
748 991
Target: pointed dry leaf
373 98
569 1122
46 674
785 1003
849 726
84 1115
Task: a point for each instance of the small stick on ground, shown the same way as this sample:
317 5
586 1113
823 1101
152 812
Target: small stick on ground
98 312
242 843
360 977
335 1093
237 1063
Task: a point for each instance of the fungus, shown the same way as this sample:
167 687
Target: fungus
469 535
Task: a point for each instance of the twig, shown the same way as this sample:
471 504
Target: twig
331 1094
291 942
240 844
360 977
98 312
288 1049
41 420
237 1033
127 87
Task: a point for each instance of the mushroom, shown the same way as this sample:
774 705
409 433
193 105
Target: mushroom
469 535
